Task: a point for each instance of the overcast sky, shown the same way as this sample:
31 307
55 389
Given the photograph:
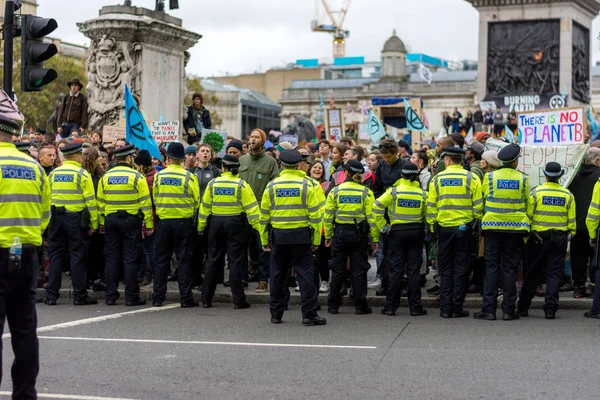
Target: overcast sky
249 35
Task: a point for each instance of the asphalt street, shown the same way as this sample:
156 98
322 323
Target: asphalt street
106 353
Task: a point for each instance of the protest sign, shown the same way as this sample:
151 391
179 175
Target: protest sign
165 131
291 139
558 127
111 133
533 160
215 139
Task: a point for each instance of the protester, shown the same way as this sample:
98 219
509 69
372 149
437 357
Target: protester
147 270
420 159
191 161
337 156
482 137
258 169
47 158
474 152
235 148
198 118
478 119
373 160
324 157
582 252
73 110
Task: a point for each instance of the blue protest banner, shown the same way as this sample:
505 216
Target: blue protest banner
413 122
137 132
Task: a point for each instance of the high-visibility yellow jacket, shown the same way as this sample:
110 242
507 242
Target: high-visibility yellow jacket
552 207
124 188
593 217
505 193
350 203
406 203
318 188
290 202
176 193
73 188
228 195
454 197
24 198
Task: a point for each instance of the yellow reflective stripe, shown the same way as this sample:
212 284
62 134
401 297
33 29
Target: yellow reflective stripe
179 205
60 202
144 198
20 221
225 204
288 218
551 213
593 217
66 191
172 195
454 207
20 198
120 202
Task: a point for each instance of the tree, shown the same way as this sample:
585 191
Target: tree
37 107
194 85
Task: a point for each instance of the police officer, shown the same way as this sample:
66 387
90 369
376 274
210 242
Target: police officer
74 219
124 203
349 212
23 147
24 215
592 221
406 205
291 208
453 204
551 209
176 196
231 205
505 225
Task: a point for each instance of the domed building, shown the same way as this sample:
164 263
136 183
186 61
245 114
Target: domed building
393 58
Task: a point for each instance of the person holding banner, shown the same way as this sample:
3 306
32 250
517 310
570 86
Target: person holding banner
504 225
551 209
198 118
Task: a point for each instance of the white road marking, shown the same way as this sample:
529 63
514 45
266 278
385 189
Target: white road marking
69 396
86 321
316 346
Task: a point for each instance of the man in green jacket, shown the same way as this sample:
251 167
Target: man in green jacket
474 152
258 169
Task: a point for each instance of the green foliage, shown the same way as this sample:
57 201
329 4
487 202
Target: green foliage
194 85
214 140
37 107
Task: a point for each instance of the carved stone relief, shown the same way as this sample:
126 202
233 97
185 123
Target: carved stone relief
111 64
581 64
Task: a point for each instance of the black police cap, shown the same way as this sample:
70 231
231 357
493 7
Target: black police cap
354 166
9 126
125 150
22 146
553 170
509 153
453 151
230 161
290 158
72 149
410 169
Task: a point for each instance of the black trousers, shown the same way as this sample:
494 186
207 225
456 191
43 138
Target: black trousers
226 235
17 306
405 250
348 243
503 254
323 255
454 255
581 256
122 242
67 238
173 235
284 257
199 252
544 259
96 258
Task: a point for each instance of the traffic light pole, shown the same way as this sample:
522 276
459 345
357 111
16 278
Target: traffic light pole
8 31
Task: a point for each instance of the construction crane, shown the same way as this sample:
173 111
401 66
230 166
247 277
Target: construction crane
337 21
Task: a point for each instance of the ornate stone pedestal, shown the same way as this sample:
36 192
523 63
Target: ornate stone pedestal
534 53
142 48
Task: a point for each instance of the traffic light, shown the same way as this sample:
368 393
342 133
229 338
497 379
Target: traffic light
34 52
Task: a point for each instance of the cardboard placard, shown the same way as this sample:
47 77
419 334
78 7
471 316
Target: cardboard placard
533 160
557 127
165 131
291 139
111 133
